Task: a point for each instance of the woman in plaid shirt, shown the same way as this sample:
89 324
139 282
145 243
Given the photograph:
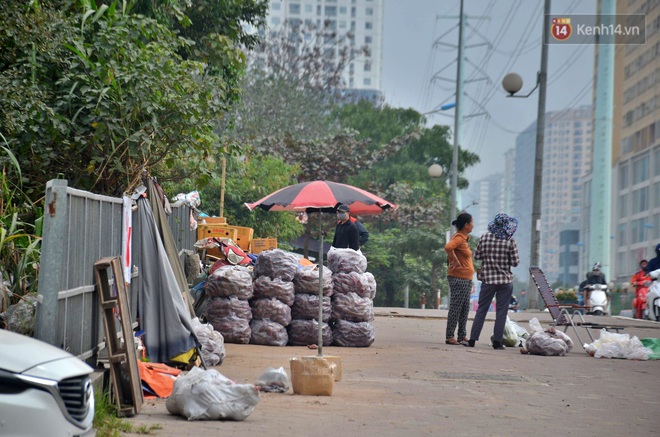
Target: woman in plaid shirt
498 252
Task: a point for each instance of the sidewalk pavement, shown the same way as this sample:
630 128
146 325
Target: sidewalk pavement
410 383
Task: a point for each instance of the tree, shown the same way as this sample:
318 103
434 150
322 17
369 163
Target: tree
407 247
103 95
335 158
196 20
247 180
277 107
313 56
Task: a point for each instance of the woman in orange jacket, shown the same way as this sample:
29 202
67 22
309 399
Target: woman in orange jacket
459 276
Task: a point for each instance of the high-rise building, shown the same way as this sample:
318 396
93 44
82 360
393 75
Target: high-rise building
566 158
636 145
488 199
363 18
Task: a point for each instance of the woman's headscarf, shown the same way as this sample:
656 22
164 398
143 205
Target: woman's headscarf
503 226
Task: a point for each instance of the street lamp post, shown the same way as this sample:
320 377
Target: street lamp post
512 83
436 171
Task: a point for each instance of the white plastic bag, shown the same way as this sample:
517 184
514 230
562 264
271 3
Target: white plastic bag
212 341
614 345
546 342
535 325
514 334
208 395
274 381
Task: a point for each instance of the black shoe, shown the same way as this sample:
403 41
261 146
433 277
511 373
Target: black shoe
469 343
497 345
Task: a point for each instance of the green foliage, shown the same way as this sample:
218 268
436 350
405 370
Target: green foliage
378 124
566 295
100 94
247 180
195 20
275 107
19 247
106 422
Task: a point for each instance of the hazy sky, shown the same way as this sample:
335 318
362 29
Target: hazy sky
514 28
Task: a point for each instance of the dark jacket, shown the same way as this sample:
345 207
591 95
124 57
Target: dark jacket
654 264
346 236
362 231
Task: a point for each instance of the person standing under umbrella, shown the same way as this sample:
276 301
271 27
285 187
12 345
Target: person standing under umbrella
498 252
346 232
459 276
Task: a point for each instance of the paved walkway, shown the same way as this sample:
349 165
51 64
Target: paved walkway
410 383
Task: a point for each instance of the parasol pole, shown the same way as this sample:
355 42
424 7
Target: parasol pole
320 288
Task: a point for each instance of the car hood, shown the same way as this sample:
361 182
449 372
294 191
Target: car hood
26 355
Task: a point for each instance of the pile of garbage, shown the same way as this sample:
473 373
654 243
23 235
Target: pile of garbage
304 327
352 302
228 290
271 307
274 301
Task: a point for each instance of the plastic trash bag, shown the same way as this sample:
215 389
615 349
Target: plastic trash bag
353 334
191 199
230 281
548 342
346 261
614 345
273 309
307 280
268 333
535 325
306 307
264 287
514 334
276 263
363 284
208 395
274 381
352 308
212 341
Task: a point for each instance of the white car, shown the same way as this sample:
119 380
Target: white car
43 389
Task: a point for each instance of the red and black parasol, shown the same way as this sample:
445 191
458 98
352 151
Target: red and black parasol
322 196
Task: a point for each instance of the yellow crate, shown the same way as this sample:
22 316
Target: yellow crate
243 237
212 221
220 231
261 244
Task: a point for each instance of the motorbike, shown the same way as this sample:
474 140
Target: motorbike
653 297
639 303
598 299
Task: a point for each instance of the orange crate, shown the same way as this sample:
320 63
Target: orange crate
261 244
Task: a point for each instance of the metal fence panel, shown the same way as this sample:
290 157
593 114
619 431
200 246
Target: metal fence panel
80 228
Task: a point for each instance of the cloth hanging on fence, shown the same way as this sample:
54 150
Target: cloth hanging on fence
164 315
157 199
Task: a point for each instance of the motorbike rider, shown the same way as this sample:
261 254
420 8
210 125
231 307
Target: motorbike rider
641 281
596 276
654 264
640 277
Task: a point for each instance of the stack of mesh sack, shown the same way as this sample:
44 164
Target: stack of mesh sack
352 302
228 290
304 328
273 296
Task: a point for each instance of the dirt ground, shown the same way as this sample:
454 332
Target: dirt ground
409 382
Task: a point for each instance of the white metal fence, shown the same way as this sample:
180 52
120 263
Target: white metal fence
80 228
